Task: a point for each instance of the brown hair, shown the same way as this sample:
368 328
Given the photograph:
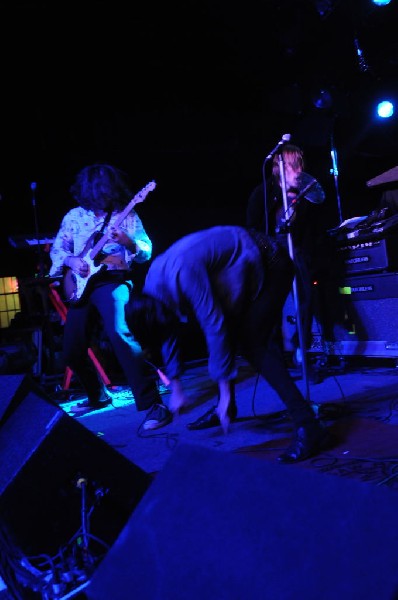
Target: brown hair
292 155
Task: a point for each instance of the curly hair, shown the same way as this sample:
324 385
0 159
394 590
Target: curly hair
101 187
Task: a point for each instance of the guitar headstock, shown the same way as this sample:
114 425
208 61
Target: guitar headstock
140 197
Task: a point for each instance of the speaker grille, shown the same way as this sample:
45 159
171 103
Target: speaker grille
360 315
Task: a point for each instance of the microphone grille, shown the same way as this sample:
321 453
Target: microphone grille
286 137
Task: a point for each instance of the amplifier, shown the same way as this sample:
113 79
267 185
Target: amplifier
360 315
375 286
368 256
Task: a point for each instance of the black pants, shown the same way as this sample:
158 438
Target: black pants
109 299
258 337
305 297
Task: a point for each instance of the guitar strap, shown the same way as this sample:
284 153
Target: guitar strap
100 232
105 223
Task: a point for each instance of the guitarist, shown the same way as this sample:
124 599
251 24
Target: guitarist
102 192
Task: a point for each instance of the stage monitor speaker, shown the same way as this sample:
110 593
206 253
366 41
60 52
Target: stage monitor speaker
13 388
231 527
46 455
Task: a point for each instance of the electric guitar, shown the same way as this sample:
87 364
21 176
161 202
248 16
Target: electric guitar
74 284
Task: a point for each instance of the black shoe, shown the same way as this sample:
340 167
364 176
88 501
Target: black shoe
210 418
158 416
89 406
310 440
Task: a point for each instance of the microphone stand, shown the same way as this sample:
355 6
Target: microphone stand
41 273
335 172
285 138
288 211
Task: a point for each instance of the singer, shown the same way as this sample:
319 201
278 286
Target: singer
265 212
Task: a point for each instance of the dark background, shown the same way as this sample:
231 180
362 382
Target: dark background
194 95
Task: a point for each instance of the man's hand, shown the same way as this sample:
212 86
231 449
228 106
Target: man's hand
226 391
78 266
119 235
178 399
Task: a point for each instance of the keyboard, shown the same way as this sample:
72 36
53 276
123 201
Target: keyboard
23 242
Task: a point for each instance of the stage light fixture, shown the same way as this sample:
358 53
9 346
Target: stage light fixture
385 109
324 7
381 2
322 99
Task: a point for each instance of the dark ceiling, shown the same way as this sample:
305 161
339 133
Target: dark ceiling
193 94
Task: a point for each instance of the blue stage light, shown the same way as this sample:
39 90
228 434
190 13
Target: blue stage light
381 2
385 109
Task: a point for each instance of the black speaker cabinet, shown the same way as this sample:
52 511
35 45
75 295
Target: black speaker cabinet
360 315
228 527
45 457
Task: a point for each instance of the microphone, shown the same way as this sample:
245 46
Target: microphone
285 138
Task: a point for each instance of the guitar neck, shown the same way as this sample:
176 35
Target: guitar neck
104 238
137 198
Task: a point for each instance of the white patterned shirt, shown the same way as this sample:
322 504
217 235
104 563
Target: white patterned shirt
78 228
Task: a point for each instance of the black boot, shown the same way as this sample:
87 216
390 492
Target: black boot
309 441
210 418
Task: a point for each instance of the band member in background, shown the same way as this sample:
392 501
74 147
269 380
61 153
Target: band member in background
234 283
104 219
266 213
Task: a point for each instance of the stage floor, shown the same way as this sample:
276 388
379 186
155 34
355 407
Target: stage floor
329 517
359 402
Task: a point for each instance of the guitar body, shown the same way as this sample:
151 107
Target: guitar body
74 285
